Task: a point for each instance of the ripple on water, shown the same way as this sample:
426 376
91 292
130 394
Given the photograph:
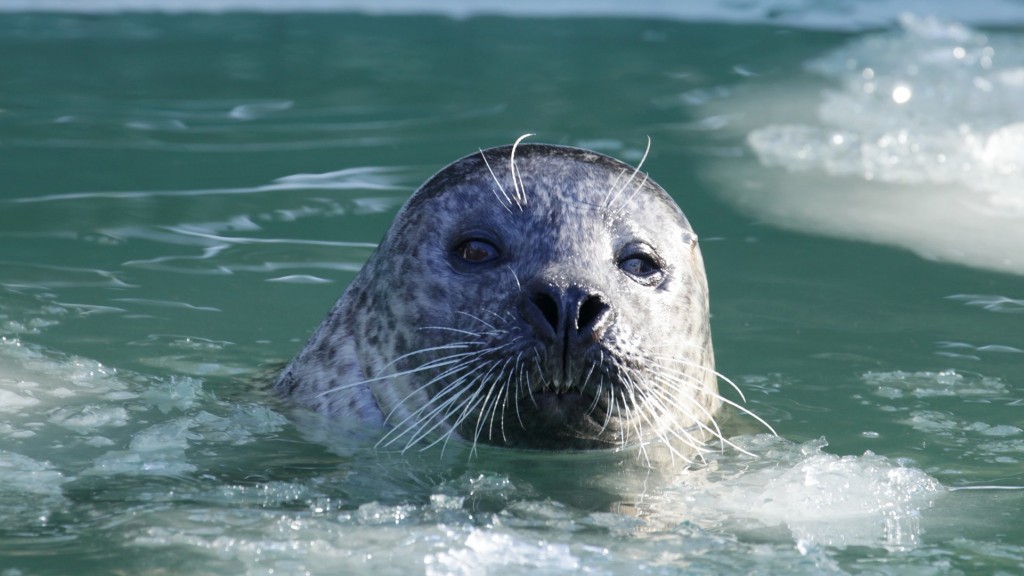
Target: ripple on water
950 412
184 470
991 302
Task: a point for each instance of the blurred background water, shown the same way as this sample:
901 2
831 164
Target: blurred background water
186 189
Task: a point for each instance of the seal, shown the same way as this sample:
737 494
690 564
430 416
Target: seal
531 296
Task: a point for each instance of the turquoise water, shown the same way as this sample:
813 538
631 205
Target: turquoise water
184 196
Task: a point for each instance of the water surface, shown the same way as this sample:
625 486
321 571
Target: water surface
185 195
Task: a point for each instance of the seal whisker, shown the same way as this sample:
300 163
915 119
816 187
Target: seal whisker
630 388
597 397
494 331
725 400
424 414
543 380
428 412
664 402
610 412
668 387
498 183
426 350
519 191
459 331
519 287
503 391
615 184
449 346
470 407
493 385
655 413
520 384
424 423
711 427
463 365
444 361
638 188
661 399
693 364
612 197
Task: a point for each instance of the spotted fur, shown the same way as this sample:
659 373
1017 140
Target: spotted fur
429 348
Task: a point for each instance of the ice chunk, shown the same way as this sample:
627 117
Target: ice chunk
911 137
25 475
44 394
494 552
821 498
928 384
157 450
29 490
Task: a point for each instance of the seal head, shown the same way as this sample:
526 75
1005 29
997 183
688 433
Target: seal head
533 296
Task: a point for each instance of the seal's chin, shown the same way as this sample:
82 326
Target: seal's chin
553 420
560 407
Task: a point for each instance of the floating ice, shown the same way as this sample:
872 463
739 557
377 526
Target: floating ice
159 450
926 384
21 474
948 409
820 498
493 552
73 393
30 490
916 139
102 424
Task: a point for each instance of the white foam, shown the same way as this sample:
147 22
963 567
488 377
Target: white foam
911 137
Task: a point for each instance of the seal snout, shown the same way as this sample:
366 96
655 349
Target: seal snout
573 316
568 321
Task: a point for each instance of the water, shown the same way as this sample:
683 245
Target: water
185 195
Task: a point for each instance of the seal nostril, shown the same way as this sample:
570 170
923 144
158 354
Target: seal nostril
548 306
591 310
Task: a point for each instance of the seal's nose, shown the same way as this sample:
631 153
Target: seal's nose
573 315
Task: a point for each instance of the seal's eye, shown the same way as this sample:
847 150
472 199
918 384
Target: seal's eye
639 266
476 251
642 267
